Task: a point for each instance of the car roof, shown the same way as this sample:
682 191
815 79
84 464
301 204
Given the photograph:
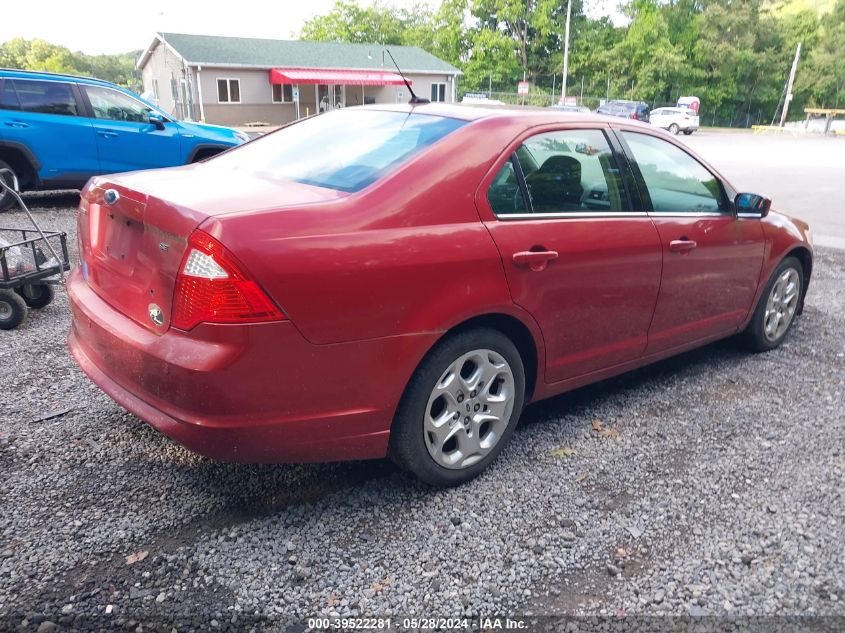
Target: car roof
38 74
473 112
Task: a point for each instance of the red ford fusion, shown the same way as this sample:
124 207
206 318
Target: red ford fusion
402 280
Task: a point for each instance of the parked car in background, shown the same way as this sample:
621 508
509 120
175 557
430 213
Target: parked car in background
676 120
399 280
636 110
56 131
564 107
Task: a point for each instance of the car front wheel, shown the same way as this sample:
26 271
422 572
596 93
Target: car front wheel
460 408
778 306
674 129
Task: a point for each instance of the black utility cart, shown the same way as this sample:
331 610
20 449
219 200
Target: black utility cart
32 261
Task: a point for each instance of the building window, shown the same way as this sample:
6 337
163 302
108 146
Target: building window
282 93
228 91
155 90
438 92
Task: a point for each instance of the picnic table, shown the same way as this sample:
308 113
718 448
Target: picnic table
827 113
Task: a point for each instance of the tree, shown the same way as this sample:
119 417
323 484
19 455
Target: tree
822 79
41 55
349 22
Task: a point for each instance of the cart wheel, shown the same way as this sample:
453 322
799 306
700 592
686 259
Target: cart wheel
7 200
12 310
37 296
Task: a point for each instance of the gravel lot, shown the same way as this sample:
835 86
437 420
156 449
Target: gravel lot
714 485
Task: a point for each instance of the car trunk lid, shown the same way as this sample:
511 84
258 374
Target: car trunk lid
131 247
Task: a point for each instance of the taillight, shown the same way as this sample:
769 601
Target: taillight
634 115
213 287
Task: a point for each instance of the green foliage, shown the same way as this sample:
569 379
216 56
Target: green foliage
734 54
40 55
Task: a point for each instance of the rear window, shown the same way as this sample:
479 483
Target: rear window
346 150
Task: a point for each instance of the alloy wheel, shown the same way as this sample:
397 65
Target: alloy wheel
469 409
781 304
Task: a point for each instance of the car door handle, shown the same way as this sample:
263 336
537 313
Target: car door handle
18 124
107 133
535 260
682 245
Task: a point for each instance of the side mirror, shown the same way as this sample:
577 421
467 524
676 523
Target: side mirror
156 119
752 204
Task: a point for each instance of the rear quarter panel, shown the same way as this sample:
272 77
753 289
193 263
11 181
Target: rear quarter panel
407 255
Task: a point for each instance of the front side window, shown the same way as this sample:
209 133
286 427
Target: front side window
229 90
570 171
115 106
674 180
345 150
438 92
45 97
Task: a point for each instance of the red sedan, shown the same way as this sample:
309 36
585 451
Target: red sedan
402 280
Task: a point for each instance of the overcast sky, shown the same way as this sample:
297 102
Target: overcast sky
111 26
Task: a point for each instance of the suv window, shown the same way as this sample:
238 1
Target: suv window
675 180
8 96
115 106
45 97
569 171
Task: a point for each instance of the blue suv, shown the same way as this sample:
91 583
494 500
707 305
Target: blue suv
56 131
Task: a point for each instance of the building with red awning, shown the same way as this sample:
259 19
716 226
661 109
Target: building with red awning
238 80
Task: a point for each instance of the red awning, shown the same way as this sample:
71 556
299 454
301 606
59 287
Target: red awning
327 76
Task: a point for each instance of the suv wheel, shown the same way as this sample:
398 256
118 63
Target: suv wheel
674 129
7 200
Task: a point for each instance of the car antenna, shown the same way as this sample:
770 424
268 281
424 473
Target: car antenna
414 98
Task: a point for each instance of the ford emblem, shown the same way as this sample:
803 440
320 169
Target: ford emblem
156 315
111 196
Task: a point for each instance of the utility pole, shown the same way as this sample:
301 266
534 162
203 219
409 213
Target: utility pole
789 86
566 53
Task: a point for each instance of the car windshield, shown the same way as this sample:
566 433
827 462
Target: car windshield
345 150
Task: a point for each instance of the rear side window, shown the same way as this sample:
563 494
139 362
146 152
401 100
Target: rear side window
505 193
46 97
345 150
570 171
8 96
675 181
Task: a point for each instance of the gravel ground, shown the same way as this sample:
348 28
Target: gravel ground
707 484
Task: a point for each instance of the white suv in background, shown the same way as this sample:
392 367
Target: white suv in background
675 120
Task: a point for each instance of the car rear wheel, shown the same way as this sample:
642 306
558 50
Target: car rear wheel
778 306
460 408
688 132
674 129
12 310
7 200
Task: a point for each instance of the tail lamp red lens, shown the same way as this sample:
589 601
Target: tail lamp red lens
213 287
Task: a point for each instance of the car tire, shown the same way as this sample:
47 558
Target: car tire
472 386
674 129
12 310
778 306
688 132
37 296
7 200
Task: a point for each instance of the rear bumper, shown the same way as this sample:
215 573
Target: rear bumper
256 393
